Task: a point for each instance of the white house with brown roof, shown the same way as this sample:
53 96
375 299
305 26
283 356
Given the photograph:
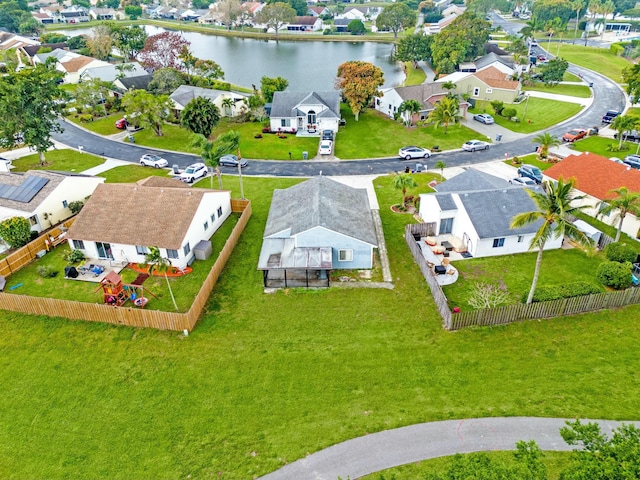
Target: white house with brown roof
487 84
318 11
182 95
42 196
121 221
305 23
70 63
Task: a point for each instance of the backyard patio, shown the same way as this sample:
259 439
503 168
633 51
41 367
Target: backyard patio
439 253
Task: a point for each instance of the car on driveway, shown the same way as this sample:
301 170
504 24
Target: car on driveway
632 161
530 171
193 172
484 118
326 146
230 160
630 136
523 182
153 160
610 115
408 153
574 134
327 135
121 123
473 145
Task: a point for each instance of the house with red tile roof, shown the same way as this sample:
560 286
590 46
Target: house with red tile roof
596 177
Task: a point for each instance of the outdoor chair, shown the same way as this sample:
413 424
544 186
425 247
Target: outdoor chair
445 262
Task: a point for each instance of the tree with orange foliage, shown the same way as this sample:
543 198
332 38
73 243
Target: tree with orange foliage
359 81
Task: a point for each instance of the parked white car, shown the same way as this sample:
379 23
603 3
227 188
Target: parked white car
410 152
473 145
152 160
326 146
194 172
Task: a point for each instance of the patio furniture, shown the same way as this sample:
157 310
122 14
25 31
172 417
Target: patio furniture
451 272
431 241
445 262
447 246
440 270
457 244
437 249
430 264
445 253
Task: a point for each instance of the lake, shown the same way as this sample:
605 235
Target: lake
306 65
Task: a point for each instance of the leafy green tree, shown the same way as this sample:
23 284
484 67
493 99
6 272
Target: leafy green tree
92 93
402 181
148 109
200 115
12 14
30 26
546 140
52 37
411 107
553 70
445 112
624 202
396 17
413 48
231 11
356 27
546 10
29 107
100 42
268 86
78 42
160 264
228 104
15 231
631 76
556 203
166 80
133 11
128 39
276 15
615 275
359 82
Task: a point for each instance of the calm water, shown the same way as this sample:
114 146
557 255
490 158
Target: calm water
307 65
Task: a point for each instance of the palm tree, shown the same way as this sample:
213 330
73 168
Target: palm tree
227 104
160 264
546 140
555 204
577 5
607 8
441 165
230 142
210 155
449 86
622 124
624 202
446 111
410 106
402 181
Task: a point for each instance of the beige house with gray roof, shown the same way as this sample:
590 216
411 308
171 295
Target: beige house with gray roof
121 221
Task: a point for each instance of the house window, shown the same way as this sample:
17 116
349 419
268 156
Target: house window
476 92
78 244
141 250
206 226
213 217
65 204
390 106
498 242
285 122
446 225
33 220
311 117
603 205
489 90
377 102
186 249
520 238
345 255
172 253
219 212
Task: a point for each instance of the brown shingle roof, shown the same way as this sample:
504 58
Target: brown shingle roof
162 182
304 20
496 79
132 214
422 92
596 175
76 64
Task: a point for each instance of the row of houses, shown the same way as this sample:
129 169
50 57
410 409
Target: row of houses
76 14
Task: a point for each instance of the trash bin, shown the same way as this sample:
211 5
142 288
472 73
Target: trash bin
305 155
498 137
176 169
591 84
131 139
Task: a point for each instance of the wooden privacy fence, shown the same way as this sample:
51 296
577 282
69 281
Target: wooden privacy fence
516 312
134 317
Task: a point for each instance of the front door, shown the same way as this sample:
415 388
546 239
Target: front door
104 250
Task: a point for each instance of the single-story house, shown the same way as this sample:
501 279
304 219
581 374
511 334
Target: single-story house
354 13
123 85
74 14
11 40
596 177
110 72
504 63
477 209
70 63
314 227
486 84
305 23
341 24
428 94
43 18
318 11
106 14
121 221
305 112
43 196
185 93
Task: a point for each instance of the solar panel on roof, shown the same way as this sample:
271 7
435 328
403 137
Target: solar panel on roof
25 191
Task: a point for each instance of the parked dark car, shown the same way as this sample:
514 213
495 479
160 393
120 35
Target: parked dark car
530 171
327 135
610 115
630 136
633 161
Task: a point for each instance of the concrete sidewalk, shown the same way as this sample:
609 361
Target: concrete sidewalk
585 102
107 165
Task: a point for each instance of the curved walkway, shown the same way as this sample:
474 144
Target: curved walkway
390 448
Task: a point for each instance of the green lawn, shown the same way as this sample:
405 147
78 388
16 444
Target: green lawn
266 378
415 76
581 91
597 59
131 173
570 77
65 159
599 145
633 111
101 126
515 272
531 159
541 114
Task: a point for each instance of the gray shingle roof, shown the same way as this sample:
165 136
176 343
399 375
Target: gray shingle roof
285 104
490 58
185 93
445 200
491 211
421 93
471 180
141 82
323 202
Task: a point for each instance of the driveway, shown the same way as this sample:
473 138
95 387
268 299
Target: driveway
390 448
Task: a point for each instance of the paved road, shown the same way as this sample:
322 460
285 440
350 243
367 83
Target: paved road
378 451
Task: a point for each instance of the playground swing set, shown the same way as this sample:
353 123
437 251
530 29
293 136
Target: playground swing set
117 293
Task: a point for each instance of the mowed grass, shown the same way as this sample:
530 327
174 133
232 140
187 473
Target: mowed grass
601 146
65 159
541 114
266 378
597 59
415 76
531 159
101 126
581 91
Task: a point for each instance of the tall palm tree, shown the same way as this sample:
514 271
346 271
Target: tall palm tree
160 264
555 203
441 165
624 202
622 124
577 5
607 8
227 104
411 107
546 140
402 181
210 154
446 111
449 86
230 142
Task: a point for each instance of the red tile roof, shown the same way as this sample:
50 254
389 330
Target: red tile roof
596 175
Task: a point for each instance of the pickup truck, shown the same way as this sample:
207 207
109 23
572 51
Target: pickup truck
630 136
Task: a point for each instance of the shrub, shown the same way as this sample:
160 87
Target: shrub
76 206
568 290
615 275
16 231
74 256
620 252
266 130
509 112
85 117
47 271
498 106
616 49
516 160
